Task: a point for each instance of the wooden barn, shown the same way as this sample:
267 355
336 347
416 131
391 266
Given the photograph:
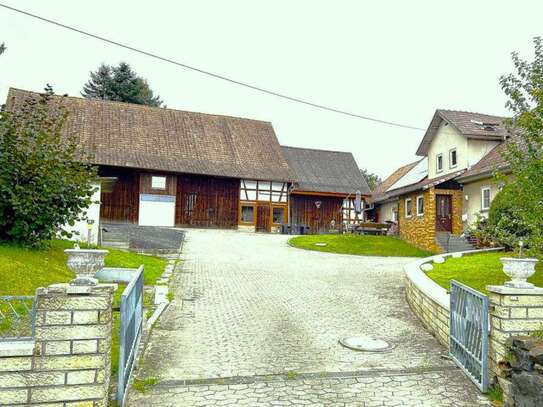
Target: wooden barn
168 167
165 167
323 194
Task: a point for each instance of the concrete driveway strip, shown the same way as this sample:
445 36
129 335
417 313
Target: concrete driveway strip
257 322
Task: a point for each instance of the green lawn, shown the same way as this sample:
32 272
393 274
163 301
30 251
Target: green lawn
361 245
23 270
477 271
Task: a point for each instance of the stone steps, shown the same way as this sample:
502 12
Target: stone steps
453 243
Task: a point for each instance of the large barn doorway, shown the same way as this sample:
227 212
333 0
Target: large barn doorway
206 201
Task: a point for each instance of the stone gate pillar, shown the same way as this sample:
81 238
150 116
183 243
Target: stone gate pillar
68 361
513 312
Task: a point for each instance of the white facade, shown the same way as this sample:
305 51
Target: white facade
388 212
468 151
474 202
89 224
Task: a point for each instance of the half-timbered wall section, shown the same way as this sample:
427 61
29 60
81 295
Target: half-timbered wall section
263 205
349 214
207 201
315 212
121 202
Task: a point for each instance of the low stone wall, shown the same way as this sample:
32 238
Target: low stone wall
433 315
68 362
429 301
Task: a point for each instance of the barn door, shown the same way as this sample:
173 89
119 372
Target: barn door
263 218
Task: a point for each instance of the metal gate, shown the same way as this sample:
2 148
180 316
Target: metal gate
130 333
468 332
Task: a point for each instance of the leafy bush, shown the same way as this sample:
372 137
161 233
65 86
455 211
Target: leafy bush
45 181
507 223
506 220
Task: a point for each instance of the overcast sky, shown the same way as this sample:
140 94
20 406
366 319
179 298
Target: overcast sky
393 60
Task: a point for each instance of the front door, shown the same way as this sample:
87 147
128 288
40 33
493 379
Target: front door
444 213
263 218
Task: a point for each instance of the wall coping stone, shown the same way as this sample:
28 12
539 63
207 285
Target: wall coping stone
429 287
67 288
500 289
17 348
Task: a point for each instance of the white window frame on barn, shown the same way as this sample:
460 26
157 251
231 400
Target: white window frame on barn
158 182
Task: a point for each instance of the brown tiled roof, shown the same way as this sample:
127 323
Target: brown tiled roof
380 191
136 136
468 124
325 171
419 186
491 162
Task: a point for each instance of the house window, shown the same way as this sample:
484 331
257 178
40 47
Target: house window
485 198
439 162
408 208
158 182
247 214
394 215
420 205
278 215
453 159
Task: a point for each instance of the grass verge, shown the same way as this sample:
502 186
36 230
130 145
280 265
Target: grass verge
361 245
22 270
477 271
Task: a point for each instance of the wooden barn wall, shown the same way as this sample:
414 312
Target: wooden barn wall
303 211
146 186
122 203
204 201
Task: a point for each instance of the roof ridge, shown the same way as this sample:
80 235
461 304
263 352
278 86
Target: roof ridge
143 107
470 112
318 149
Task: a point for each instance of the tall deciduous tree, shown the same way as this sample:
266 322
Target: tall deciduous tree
120 83
372 179
45 180
525 156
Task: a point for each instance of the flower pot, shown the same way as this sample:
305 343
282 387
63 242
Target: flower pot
518 270
85 263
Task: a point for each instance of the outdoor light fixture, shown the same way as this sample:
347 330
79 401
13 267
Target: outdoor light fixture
318 204
466 197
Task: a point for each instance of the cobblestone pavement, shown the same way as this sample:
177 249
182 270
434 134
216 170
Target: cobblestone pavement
256 322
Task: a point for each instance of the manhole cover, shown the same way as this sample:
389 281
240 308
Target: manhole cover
364 343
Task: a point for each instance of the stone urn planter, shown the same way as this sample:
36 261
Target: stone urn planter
518 269
85 263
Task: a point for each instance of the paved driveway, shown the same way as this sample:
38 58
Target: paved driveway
256 322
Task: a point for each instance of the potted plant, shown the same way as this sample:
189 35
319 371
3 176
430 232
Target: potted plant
519 269
85 263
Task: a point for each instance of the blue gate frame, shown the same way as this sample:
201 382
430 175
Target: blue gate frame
468 332
130 333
